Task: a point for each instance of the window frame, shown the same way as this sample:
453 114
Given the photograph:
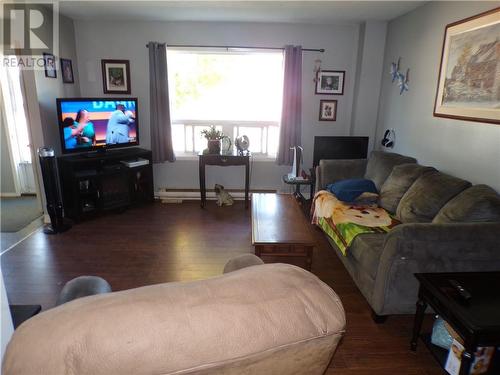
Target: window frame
229 127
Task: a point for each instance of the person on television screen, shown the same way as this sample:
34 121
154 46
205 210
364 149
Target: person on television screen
86 137
71 132
118 127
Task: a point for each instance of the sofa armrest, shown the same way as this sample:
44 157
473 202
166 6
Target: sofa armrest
332 170
428 247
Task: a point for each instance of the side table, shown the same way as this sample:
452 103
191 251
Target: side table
476 320
223 160
298 183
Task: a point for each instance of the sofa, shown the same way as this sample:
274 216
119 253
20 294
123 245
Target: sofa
447 225
254 319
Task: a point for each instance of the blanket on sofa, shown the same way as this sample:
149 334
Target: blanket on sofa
342 221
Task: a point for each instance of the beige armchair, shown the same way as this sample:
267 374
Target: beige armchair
263 319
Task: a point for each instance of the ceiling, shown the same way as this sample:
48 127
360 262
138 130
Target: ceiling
317 12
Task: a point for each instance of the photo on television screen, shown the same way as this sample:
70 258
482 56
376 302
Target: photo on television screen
96 123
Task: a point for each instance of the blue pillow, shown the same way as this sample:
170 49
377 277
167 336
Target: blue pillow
349 190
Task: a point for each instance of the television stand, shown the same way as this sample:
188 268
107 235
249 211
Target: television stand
98 182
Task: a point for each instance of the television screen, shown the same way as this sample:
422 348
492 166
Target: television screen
97 123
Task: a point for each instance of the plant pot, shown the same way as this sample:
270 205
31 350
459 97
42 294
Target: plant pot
213 146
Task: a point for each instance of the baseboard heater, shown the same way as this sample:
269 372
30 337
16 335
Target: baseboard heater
179 195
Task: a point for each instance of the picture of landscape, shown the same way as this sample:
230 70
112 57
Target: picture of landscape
473 69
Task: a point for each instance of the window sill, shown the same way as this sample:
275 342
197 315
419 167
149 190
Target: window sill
257 158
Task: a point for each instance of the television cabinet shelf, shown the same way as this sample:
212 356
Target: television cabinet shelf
98 182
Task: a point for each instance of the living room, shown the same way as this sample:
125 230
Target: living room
267 90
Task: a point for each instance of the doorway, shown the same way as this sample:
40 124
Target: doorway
20 203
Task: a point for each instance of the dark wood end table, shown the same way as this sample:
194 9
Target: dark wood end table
223 160
477 320
280 231
298 183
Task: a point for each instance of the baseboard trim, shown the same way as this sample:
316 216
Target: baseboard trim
9 195
190 194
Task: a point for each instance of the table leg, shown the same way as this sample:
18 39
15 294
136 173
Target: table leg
417 324
467 359
203 190
247 182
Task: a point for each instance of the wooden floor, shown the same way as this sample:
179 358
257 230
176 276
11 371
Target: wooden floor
171 242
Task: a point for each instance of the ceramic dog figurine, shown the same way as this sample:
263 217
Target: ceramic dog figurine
223 197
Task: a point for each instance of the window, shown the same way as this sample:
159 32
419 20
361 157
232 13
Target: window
238 92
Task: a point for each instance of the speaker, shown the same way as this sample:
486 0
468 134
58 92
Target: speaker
48 165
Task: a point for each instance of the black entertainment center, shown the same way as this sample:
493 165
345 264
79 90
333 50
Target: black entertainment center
100 181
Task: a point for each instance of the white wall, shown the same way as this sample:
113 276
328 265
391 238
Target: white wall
465 149
49 89
127 40
368 84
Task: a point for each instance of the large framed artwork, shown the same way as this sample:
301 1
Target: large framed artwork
469 78
116 76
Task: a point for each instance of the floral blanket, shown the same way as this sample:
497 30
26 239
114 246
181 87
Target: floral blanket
342 221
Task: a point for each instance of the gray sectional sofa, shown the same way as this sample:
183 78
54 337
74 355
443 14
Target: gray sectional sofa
448 225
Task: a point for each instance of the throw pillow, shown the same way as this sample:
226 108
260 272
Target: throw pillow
478 203
380 166
349 190
398 182
427 195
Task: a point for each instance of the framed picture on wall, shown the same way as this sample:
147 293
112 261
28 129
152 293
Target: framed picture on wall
327 110
67 71
49 62
330 82
116 76
469 77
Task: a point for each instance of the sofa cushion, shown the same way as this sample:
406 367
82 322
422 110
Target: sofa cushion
428 194
398 182
478 203
367 249
380 166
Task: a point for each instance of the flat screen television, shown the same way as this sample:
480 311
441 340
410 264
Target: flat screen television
339 147
93 124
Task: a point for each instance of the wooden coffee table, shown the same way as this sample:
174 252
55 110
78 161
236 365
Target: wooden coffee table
280 231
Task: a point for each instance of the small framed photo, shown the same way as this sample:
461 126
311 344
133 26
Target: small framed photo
327 110
330 82
116 76
67 71
49 62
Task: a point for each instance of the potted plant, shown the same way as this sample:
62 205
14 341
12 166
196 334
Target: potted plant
213 137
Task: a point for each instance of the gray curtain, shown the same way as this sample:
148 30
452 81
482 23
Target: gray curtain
291 112
159 112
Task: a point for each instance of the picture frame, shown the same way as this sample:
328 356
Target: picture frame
116 76
67 71
327 110
330 82
49 64
468 86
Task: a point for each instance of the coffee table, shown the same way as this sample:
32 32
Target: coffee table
476 320
280 231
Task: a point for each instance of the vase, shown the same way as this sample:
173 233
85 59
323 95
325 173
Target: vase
213 146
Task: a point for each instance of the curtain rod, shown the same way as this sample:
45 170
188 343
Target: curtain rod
242 47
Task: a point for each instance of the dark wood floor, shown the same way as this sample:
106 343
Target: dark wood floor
170 242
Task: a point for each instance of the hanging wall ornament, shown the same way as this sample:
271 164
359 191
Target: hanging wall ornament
316 70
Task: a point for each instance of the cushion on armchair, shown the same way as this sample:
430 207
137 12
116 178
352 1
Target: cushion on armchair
428 194
380 166
478 203
398 182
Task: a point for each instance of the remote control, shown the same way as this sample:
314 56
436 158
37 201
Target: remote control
462 292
